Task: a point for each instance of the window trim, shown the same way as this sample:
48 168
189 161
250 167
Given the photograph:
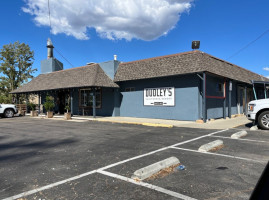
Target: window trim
90 89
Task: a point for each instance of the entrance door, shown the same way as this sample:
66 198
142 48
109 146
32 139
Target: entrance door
61 102
240 100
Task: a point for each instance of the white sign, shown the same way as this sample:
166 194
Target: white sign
159 96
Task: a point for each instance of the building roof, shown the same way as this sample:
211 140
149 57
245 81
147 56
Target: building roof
86 76
183 63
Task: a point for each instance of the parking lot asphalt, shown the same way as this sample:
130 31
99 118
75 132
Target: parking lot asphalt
53 159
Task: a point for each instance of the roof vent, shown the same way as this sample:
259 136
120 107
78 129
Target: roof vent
195 44
50 48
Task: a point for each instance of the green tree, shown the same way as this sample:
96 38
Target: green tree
15 67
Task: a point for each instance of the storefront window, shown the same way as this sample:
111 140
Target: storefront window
86 98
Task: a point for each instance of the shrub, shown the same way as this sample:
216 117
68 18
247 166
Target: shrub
49 103
67 108
32 106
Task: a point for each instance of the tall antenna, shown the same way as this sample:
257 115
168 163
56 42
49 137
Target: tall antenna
49 15
51 36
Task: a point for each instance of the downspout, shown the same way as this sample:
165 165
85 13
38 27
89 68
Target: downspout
224 100
200 112
204 98
230 99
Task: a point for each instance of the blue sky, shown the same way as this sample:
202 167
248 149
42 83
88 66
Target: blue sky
136 32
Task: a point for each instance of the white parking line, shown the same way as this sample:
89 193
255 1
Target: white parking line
147 185
24 194
261 141
218 154
106 167
162 149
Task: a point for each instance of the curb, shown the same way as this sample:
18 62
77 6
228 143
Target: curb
210 146
239 134
138 123
238 125
148 171
158 125
85 119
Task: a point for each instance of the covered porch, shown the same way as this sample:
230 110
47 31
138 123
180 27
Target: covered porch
87 91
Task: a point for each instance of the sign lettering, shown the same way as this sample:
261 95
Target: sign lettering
159 96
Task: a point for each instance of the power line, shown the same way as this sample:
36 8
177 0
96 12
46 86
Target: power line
63 57
51 37
246 46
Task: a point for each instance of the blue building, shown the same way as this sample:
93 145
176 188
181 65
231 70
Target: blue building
186 86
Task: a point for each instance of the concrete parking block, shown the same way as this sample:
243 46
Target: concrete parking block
254 128
239 134
210 146
148 171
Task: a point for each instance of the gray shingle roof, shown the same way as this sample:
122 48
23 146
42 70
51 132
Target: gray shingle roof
86 76
183 63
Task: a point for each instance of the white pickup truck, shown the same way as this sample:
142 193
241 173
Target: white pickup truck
258 111
8 110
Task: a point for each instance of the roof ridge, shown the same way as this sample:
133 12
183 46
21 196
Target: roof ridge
232 64
64 70
165 56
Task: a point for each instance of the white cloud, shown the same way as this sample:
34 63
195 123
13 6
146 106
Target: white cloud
266 68
112 19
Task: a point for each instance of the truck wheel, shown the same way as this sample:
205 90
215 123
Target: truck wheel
9 113
263 120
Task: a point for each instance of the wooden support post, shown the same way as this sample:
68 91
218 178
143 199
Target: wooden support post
27 101
265 96
38 103
71 102
94 103
246 104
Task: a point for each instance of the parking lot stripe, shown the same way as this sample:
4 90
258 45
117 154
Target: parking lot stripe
223 155
49 186
162 149
261 141
106 167
147 185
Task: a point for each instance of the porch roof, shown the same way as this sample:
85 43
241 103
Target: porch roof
79 77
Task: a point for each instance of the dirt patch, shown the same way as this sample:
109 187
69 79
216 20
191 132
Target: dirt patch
217 148
164 172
